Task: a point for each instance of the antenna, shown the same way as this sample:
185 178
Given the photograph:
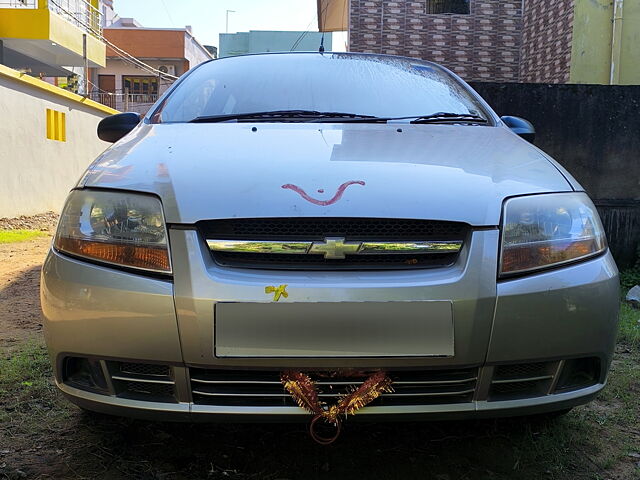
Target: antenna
325 12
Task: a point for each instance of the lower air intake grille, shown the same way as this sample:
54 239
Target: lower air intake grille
145 369
523 380
143 381
146 389
263 388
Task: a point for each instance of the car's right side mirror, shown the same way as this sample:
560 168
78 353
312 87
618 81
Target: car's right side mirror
520 127
114 127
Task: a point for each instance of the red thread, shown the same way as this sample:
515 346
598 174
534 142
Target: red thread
323 203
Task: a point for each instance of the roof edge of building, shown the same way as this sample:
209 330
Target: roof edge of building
47 87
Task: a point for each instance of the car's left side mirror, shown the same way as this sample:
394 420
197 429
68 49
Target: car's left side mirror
520 127
114 127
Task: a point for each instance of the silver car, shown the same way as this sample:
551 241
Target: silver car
333 215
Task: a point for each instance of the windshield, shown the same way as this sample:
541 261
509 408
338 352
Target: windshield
377 86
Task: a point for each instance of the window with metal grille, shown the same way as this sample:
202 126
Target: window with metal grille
447 6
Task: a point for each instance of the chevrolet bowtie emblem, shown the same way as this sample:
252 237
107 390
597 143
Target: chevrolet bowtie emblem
335 248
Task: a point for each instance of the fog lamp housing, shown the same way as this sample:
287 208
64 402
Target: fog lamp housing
579 373
84 374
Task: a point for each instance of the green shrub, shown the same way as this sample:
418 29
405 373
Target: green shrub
631 276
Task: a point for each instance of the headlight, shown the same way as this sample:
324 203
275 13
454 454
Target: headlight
117 228
540 231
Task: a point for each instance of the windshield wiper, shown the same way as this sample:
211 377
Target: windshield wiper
440 117
279 115
315 116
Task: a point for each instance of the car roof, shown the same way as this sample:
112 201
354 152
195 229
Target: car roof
331 54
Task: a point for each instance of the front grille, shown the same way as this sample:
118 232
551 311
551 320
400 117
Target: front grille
263 388
319 229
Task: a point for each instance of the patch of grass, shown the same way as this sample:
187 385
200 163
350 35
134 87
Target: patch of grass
27 395
15 236
629 332
29 364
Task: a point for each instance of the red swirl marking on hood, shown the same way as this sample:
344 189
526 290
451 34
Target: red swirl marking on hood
323 203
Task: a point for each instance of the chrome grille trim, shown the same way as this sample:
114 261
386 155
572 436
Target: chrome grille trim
321 383
332 395
528 379
334 247
390 248
263 388
259 246
133 378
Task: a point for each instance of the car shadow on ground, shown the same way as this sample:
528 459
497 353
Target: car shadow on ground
20 316
111 447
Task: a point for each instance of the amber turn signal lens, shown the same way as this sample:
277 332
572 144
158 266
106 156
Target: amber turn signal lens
519 258
146 258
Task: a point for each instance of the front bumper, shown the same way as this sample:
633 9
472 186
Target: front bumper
546 320
188 412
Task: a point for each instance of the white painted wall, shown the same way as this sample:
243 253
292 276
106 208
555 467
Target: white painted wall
36 173
194 52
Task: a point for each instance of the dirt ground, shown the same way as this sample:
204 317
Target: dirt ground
44 437
20 265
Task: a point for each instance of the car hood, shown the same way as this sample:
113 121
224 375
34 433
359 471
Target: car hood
224 170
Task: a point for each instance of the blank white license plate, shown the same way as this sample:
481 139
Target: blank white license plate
341 329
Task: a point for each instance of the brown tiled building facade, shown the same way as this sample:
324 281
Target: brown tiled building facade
482 45
546 41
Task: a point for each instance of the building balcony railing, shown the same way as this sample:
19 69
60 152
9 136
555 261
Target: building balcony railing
126 102
81 13
18 3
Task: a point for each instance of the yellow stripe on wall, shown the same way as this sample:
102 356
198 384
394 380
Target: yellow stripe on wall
63 126
56 125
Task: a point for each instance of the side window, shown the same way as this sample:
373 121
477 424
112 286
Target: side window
447 6
194 102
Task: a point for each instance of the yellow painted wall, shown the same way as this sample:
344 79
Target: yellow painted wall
24 23
69 36
630 53
42 24
591 47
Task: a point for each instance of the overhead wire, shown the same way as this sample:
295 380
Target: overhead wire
126 55
315 17
167 11
119 52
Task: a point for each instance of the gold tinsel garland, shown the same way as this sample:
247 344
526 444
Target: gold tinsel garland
305 392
